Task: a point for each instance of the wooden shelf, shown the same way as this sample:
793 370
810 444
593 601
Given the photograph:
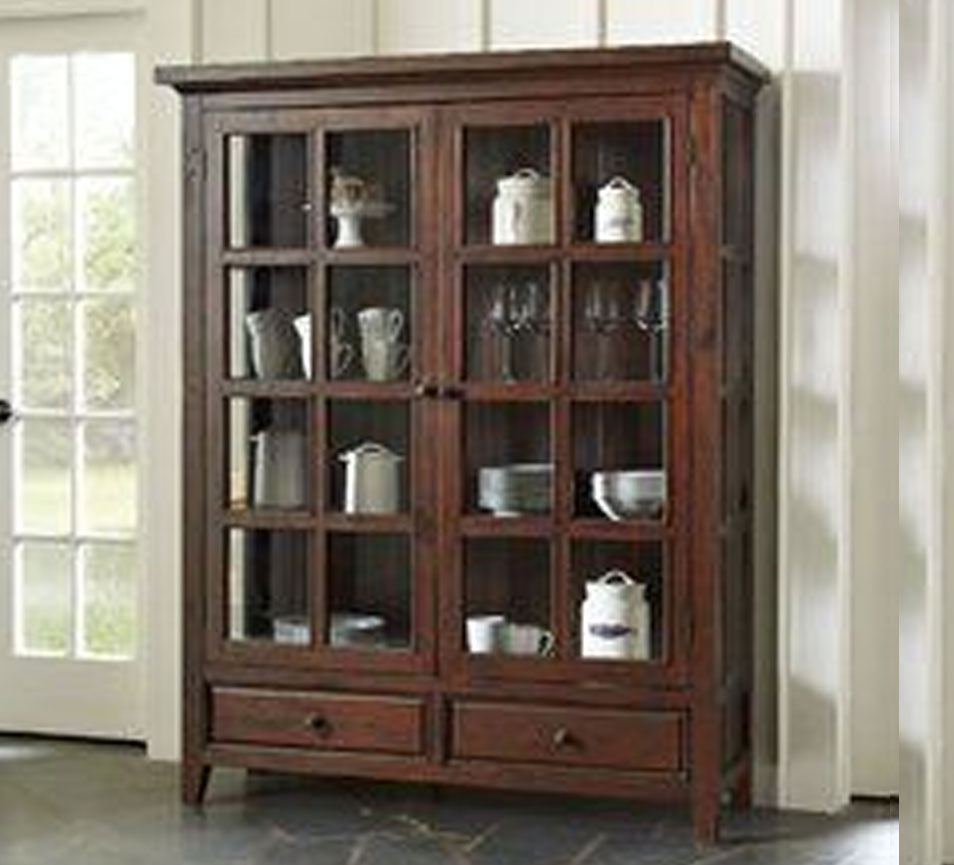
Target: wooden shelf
368 390
267 257
257 388
487 525
597 529
337 521
268 519
371 256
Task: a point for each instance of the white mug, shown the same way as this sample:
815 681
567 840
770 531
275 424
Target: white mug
380 322
528 639
485 633
340 353
384 360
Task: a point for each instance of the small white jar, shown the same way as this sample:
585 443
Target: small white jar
618 216
523 209
615 618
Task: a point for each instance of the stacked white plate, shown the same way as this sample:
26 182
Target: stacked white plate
518 488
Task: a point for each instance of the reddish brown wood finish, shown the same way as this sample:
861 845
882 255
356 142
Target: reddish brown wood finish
635 741
676 729
318 720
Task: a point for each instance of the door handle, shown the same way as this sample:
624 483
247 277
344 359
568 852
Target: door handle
6 411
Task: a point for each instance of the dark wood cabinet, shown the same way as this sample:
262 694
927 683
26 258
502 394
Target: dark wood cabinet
463 335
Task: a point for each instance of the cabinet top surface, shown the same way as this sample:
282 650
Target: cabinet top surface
440 69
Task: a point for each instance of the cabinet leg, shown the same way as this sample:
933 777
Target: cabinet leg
742 792
195 780
705 824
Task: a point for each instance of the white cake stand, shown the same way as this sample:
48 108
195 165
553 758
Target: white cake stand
349 218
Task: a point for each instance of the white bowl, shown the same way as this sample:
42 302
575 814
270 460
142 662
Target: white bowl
627 494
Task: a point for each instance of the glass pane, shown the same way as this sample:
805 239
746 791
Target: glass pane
369 591
107 214
368 456
104 126
369 324
617 600
508 464
267 453
43 474
268 586
109 477
507 597
621 181
267 190
109 600
42 237
508 195
509 318
38 89
44 338
619 460
44 597
620 322
269 326
369 194
109 354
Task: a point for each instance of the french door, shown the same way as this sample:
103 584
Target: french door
69 445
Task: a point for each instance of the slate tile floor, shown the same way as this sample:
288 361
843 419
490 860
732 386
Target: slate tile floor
70 803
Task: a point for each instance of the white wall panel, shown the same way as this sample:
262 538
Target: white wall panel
234 30
758 26
321 28
406 26
646 21
532 24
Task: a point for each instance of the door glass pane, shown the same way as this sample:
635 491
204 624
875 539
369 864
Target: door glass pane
109 599
109 477
269 328
369 188
39 94
44 593
41 235
619 460
44 339
43 476
369 456
621 181
508 468
104 126
509 323
267 190
369 591
507 597
508 190
267 453
620 322
370 324
268 596
618 591
107 233
109 354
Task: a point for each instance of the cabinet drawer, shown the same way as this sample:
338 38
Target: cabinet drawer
347 722
641 741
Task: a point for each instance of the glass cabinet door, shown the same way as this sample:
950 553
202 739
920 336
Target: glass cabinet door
322 322
562 296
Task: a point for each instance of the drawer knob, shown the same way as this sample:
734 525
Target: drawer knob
563 738
318 724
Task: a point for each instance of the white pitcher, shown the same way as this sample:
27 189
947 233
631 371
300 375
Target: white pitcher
372 479
615 618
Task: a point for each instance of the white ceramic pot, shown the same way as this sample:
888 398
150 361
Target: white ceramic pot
615 618
523 209
619 213
372 479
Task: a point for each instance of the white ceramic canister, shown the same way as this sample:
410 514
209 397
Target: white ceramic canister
523 209
619 213
279 469
615 618
372 479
